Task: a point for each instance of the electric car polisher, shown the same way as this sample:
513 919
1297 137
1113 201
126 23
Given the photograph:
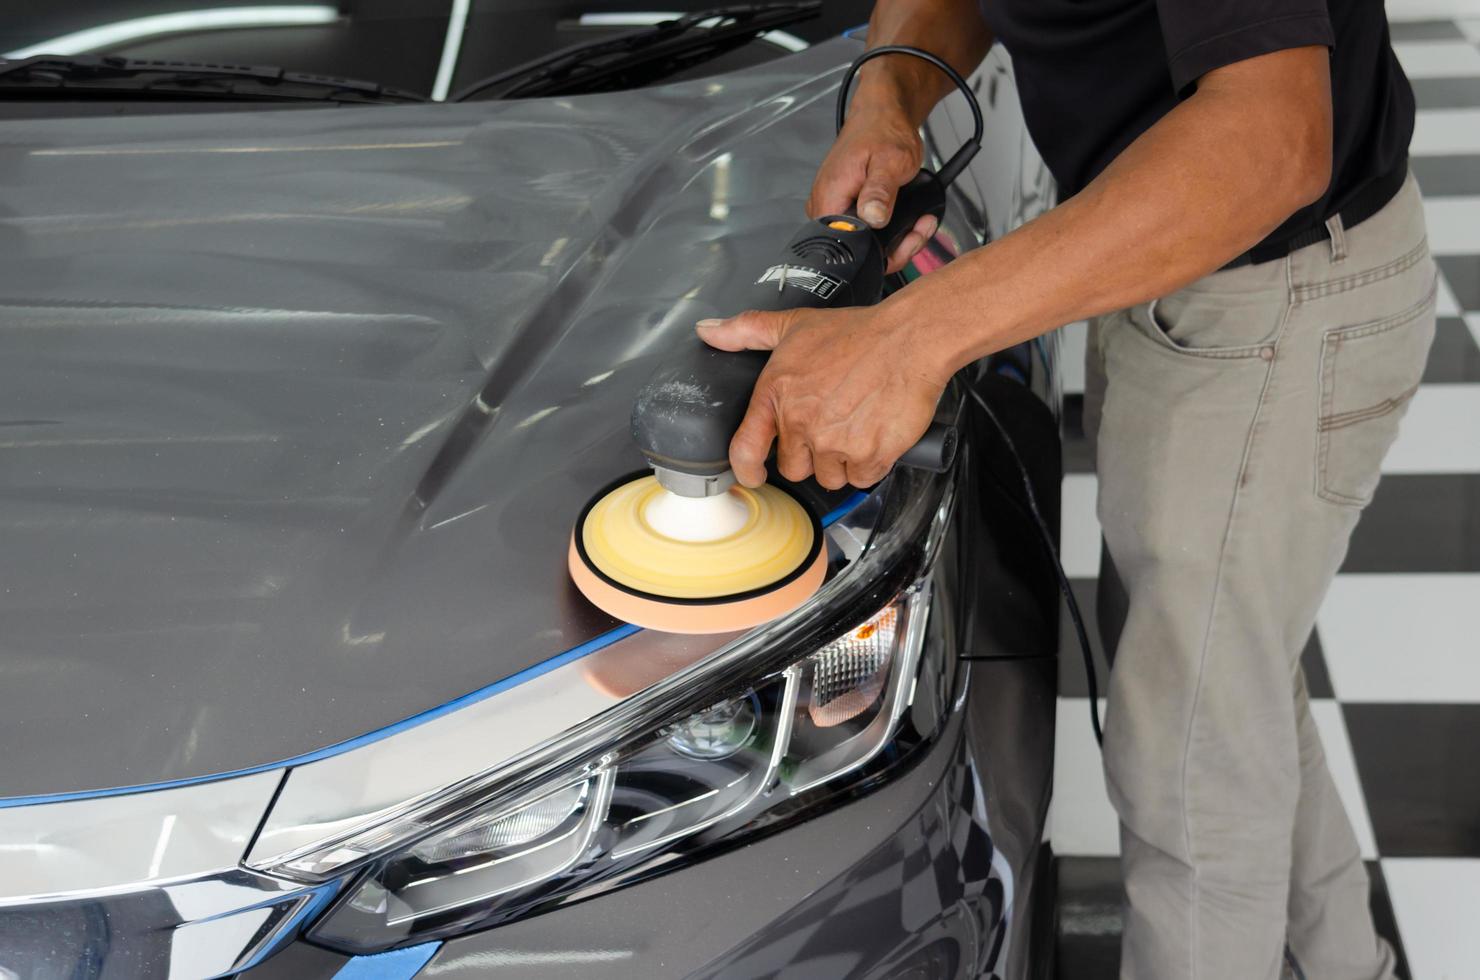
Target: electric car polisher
687 549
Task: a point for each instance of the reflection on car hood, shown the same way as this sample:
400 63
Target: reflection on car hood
296 408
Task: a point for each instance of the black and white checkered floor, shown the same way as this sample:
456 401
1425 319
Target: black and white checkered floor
1394 666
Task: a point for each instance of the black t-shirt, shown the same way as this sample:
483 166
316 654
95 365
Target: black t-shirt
1094 74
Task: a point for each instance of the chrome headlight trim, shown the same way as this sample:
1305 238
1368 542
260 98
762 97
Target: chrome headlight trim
113 845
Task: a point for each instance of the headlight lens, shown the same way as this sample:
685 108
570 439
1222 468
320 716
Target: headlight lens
789 744
854 690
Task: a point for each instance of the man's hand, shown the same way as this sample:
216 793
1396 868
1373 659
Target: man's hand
844 394
879 149
877 152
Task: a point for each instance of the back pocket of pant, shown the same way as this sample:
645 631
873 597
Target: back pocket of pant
1369 373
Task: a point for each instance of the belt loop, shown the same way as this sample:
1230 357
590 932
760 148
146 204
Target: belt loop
1337 231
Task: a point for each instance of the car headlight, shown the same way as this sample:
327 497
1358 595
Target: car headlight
796 716
802 737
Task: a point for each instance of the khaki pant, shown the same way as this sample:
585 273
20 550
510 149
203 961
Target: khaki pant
1240 425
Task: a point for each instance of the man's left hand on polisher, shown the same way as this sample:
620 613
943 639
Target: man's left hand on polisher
844 394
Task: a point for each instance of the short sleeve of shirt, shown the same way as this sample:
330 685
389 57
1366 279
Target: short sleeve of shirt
1202 35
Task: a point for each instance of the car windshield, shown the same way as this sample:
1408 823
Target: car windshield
429 48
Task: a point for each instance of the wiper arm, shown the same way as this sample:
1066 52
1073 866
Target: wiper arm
100 76
637 57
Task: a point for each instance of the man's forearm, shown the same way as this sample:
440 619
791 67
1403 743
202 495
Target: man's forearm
951 29
1206 183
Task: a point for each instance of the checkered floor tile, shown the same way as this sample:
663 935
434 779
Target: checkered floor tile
1394 664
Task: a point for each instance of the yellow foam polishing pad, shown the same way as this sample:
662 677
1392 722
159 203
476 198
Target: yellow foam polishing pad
775 540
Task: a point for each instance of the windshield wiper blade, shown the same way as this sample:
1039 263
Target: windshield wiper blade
100 76
637 57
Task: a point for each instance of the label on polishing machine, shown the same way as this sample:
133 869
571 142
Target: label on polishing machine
819 284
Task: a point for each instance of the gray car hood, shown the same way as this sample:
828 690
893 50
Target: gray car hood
297 407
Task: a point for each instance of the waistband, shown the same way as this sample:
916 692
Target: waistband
1367 201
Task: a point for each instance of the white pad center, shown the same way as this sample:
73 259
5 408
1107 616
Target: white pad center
697 518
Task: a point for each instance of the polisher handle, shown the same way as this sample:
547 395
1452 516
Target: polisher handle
924 194
935 451
684 417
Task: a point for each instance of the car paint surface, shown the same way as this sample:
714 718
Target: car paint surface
296 407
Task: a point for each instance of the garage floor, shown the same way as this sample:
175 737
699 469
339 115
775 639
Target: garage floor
1394 666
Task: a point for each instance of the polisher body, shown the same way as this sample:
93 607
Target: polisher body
684 417
686 550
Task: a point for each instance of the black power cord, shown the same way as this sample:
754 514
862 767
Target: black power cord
946 175
957 163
